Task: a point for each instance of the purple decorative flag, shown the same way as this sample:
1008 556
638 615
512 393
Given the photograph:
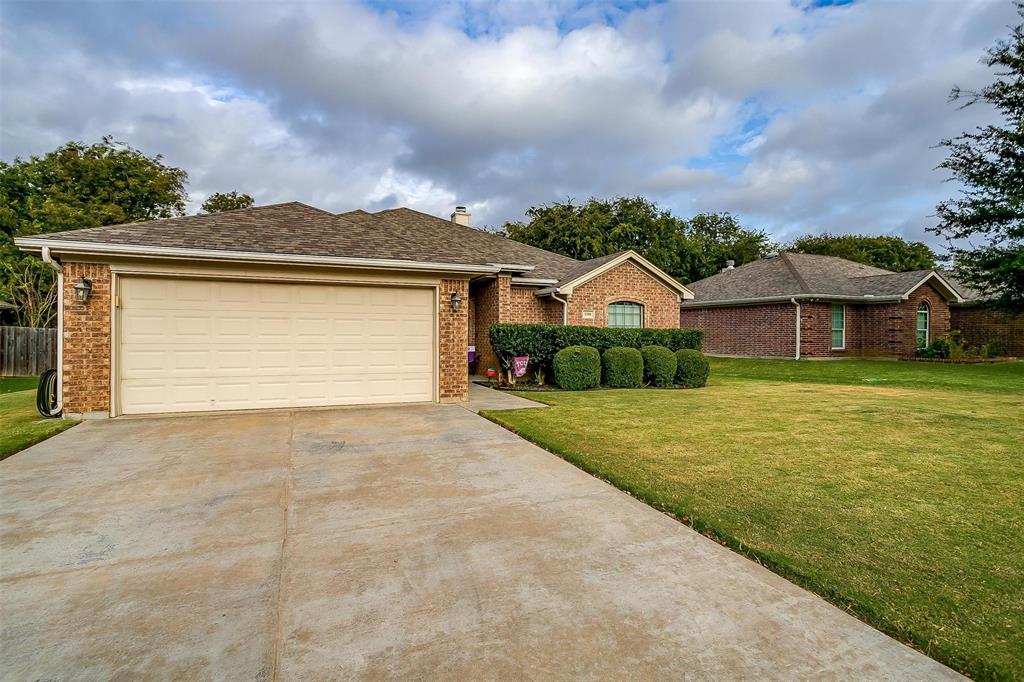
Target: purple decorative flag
520 364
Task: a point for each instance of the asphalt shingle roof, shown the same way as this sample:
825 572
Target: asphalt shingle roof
297 229
800 274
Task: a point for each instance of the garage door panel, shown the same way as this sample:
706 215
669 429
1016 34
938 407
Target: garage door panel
197 345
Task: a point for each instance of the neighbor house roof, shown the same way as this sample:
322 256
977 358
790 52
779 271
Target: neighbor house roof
297 233
802 276
4 305
967 292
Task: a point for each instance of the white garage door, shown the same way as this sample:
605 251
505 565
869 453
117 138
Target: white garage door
197 345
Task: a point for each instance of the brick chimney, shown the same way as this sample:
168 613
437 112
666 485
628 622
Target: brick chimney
461 216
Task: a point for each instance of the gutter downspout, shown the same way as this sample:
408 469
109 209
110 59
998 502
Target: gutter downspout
565 309
56 267
797 304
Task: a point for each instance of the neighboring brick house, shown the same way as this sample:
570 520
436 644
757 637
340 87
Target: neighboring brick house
797 305
291 306
979 323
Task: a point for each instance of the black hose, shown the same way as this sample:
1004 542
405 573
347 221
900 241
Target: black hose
46 394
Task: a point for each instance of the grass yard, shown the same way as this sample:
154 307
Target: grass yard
20 424
893 489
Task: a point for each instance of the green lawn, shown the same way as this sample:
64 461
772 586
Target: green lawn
895 490
20 424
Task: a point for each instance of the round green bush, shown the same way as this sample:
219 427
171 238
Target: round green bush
659 365
577 368
622 367
692 368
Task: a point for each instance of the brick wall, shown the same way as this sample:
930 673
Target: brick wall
938 320
980 325
883 329
625 282
755 330
491 300
453 329
86 361
526 307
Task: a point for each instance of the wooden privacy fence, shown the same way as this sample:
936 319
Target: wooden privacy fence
27 351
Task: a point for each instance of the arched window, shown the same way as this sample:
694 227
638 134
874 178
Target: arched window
923 314
625 314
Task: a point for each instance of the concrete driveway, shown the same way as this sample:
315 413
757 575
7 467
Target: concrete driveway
397 542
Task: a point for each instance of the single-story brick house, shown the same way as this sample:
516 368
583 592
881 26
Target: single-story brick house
979 323
796 305
289 305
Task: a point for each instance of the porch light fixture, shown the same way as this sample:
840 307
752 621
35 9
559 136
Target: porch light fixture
83 289
456 301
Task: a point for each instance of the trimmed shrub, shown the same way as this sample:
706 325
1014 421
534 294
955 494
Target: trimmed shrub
692 368
577 368
542 341
659 365
622 367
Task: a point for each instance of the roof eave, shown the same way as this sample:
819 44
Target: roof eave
787 298
567 287
31 245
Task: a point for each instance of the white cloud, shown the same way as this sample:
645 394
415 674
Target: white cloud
505 106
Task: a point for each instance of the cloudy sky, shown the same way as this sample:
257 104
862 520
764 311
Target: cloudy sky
796 117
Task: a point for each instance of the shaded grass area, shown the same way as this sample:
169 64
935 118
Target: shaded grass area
902 505
20 424
12 384
1002 377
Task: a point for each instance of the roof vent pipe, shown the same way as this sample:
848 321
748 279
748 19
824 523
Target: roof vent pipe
461 216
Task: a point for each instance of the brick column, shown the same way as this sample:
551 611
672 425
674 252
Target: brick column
493 304
453 328
86 361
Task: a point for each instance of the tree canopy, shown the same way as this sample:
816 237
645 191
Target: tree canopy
226 201
989 161
881 251
686 249
73 187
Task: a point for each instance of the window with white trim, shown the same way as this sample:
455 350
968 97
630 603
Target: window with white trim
923 313
625 314
838 326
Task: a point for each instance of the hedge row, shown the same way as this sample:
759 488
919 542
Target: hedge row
541 341
578 368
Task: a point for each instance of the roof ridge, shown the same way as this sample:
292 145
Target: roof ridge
804 289
478 230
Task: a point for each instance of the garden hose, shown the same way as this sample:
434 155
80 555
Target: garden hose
46 394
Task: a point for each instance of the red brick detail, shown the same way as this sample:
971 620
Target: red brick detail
878 329
624 282
526 307
490 305
86 338
755 330
453 330
980 325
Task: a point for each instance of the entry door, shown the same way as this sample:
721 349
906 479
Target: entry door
192 345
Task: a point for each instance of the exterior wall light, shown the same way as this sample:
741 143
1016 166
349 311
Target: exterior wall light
456 301
83 289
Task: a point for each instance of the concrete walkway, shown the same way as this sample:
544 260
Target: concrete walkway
408 542
484 398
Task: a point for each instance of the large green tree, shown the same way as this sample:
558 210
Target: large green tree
881 251
226 201
73 187
985 223
686 249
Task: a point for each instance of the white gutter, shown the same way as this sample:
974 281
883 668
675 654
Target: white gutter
868 298
514 268
532 281
137 251
797 304
565 309
56 267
